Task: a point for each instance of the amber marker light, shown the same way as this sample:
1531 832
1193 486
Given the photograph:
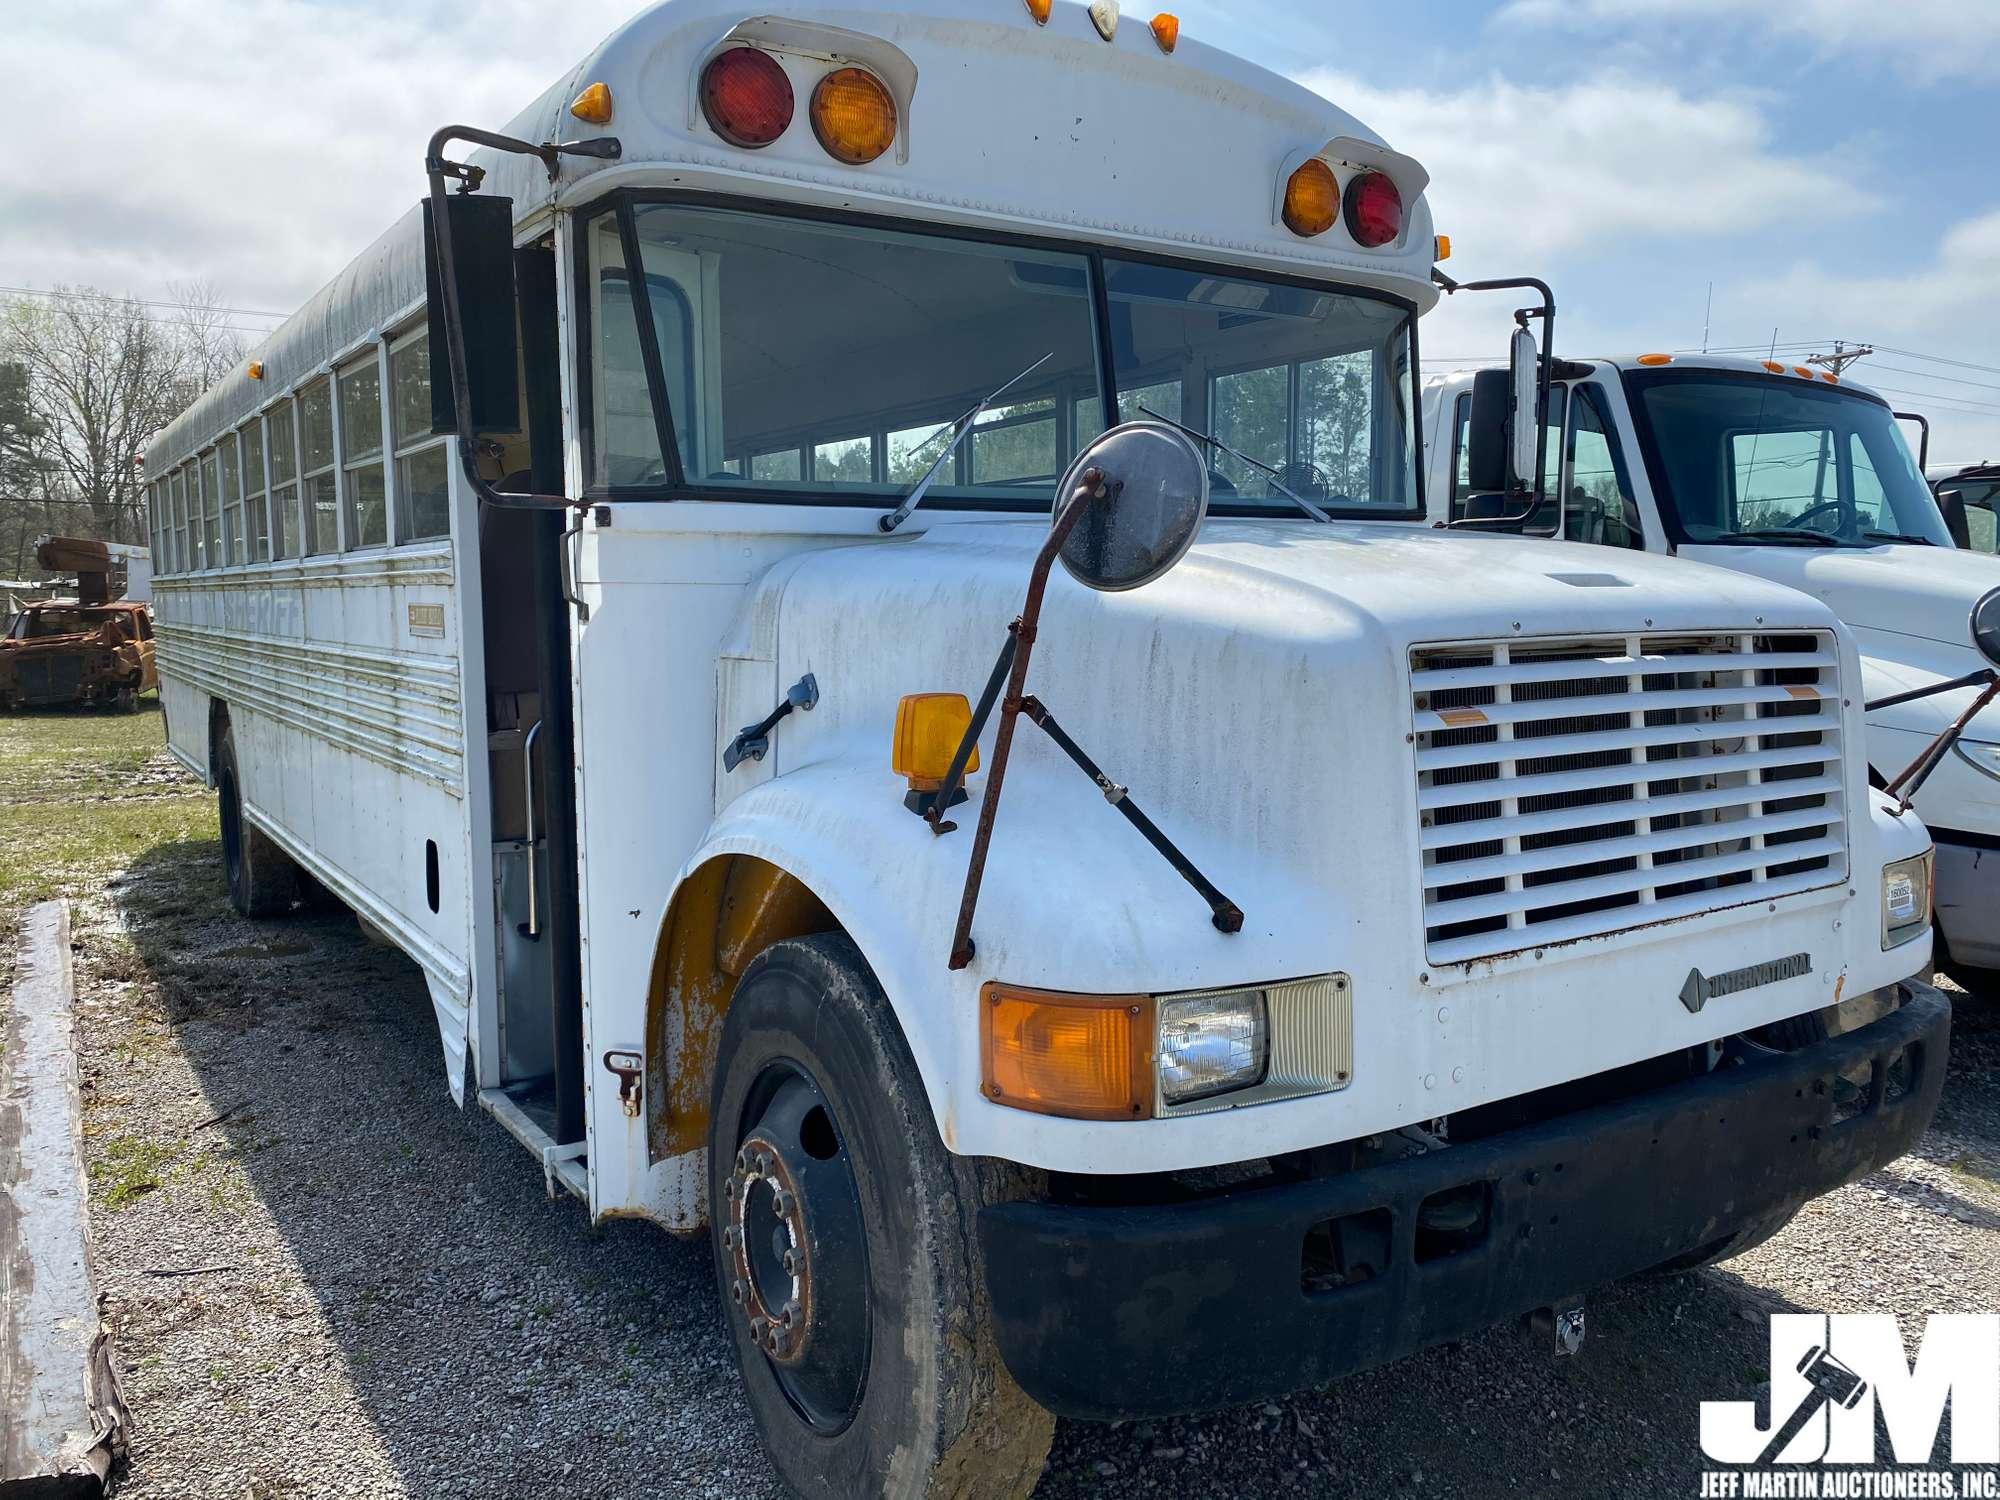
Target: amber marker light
255 369
1774 367
1312 200
1039 9
1441 251
1084 1057
1167 31
1651 360
593 105
929 728
853 116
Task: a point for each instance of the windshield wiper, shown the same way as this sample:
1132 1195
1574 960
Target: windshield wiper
1271 474
1782 534
922 487
1897 536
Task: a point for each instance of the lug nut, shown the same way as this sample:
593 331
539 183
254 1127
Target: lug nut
772 1343
729 1237
791 1263
758 1328
781 1203
730 1187
791 1315
737 1292
744 1162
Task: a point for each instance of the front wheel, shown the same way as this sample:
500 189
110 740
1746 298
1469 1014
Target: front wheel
845 1246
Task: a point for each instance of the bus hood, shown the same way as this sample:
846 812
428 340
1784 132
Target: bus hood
1256 700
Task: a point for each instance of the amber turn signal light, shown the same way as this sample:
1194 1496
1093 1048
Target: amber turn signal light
929 729
853 116
1039 9
1084 1057
1312 200
1167 31
593 105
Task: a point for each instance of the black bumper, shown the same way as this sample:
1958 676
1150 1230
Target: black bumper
1107 1312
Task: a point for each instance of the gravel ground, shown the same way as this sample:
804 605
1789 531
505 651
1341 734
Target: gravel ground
325 1280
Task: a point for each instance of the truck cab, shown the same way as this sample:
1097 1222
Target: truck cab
1797 476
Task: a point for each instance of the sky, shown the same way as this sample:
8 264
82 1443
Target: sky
1819 169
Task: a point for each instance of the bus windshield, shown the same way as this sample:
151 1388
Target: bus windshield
1751 460
827 360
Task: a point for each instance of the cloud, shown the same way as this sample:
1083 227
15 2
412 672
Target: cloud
1528 172
1926 39
254 144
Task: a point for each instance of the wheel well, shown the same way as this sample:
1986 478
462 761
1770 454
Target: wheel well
723 916
218 726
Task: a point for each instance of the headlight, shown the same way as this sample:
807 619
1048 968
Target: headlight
1212 1044
1980 755
1906 899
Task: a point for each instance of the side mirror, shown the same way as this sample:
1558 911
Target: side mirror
481 231
1486 434
1986 626
1156 497
1952 503
1524 408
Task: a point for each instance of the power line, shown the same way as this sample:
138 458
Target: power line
1939 359
1950 403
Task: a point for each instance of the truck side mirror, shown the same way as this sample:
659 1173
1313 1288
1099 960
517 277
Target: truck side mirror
481 231
1524 408
1486 434
1952 503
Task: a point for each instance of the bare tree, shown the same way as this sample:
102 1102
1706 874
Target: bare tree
103 376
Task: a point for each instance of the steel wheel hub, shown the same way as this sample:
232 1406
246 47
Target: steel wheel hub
795 1249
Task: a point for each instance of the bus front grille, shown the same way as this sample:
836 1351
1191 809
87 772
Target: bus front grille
1569 788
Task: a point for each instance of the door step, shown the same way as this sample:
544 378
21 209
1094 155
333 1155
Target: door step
564 1165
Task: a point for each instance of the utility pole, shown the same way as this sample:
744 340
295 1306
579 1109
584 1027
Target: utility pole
1841 358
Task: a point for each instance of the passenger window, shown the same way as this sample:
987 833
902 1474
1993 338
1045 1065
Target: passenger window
1599 503
1982 500
316 453
423 485
361 453
282 438
1016 444
257 517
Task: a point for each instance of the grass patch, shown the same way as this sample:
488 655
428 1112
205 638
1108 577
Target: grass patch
129 1169
84 794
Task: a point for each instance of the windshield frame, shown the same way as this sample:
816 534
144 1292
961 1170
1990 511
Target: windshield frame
678 487
1638 382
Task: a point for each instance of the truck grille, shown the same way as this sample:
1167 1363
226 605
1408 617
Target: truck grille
1575 787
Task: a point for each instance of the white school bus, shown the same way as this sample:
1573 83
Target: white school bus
1380 936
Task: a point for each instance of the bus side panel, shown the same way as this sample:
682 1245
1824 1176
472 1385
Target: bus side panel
341 677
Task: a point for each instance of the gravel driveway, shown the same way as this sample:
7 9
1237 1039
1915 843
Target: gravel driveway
324 1279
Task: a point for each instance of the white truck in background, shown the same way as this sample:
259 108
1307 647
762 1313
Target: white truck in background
1794 475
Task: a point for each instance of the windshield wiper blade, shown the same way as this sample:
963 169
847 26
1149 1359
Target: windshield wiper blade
1897 536
1270 473
1782 534
960 428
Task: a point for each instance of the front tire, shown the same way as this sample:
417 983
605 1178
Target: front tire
263 881
845 1245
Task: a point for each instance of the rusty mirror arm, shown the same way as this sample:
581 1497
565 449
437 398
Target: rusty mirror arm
1010 673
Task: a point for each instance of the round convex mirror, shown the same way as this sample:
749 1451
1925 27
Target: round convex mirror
1986 626
1157 501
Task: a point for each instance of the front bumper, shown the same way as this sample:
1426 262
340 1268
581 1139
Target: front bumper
1108 1312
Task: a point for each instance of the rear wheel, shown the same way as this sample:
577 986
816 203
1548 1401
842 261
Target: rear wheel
845 1245
263 881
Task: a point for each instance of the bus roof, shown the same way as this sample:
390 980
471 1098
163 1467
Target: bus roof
1006 126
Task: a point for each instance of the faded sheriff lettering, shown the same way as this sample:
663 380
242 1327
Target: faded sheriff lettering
1700 988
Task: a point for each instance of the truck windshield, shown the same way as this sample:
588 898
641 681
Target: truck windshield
823 360
1754 460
